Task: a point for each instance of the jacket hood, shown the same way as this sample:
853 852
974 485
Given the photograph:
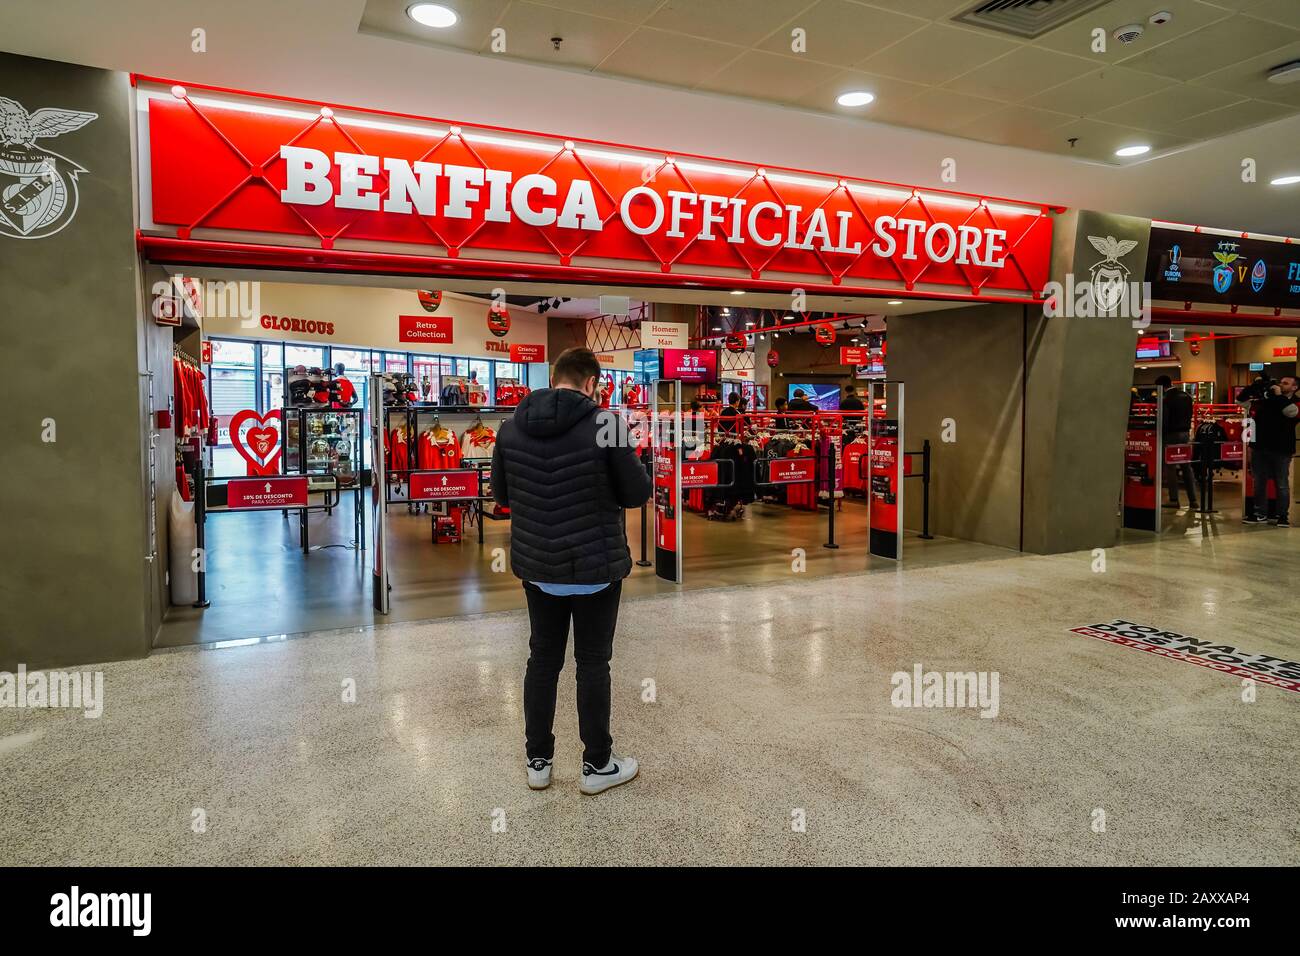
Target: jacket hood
548 412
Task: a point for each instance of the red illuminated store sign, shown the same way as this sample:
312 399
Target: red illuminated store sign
236 174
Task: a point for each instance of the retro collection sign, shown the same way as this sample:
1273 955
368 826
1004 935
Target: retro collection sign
222 165
1210 267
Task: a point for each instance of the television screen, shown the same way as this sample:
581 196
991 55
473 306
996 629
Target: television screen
824 397
691 366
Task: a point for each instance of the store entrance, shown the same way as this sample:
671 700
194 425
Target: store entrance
778 400
1193 392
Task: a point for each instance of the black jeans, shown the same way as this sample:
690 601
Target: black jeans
1265 464
594 618
1172 472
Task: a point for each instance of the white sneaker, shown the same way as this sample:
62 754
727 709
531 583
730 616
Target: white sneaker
539 773
618 770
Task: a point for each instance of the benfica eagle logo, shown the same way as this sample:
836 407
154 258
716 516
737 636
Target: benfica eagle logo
38 188
1110 276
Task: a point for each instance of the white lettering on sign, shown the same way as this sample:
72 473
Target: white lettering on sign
461 192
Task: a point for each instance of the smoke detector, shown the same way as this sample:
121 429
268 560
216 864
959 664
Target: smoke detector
1129 33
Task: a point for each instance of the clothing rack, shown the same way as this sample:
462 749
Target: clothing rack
180 353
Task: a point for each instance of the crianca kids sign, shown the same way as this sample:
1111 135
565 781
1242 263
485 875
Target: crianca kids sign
348 180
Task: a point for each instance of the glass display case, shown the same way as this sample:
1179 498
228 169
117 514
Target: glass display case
324 441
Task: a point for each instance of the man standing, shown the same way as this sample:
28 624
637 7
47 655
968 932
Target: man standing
852 403
1176 429
1276 413
567 469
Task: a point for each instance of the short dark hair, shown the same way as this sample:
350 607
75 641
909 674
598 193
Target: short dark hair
850 388
780 403
574 366
1164 381
733 398
798 393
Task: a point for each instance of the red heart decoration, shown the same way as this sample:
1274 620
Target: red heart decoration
263 457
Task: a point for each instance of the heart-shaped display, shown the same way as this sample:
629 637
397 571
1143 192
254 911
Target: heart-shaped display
257 439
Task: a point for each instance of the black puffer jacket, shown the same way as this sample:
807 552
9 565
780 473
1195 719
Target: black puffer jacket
566 493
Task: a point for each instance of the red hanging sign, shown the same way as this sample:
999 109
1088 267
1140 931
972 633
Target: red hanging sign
424 329
699 474
527 353
205 352
443 485
789 471
258 443
824 334
429 300
736 342
854 355
773 358
498 321
279 491
270 172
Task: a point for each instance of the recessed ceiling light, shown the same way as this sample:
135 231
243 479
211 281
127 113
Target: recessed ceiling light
855 98
737 291
432 15
894 302
1132 150
1285 181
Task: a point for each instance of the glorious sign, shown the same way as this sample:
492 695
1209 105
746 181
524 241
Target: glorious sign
362 181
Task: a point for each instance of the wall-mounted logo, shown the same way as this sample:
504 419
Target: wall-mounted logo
1110 276
1174 273
38 189
1226 254
429 299
1258 275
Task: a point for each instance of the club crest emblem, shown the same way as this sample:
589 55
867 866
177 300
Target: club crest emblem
38 188
1110 276
1258 275
1223 271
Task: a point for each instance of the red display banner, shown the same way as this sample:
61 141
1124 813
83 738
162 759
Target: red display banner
425 329
1232 451
884 479
665 459
205 352
854 355
527 353
789 471
443 485
260 169
1178 454
1142 469
277 491
699 474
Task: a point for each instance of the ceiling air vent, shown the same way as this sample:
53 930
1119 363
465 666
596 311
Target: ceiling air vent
1025 18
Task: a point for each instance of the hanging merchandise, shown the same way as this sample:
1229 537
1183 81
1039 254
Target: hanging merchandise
189 395
344 392
437 448
631 391
498 320
476 392
510 393
429 300
606 390
455 390
736 342
824 334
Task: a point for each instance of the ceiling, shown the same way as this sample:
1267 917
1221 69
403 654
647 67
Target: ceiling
1196 77
315 49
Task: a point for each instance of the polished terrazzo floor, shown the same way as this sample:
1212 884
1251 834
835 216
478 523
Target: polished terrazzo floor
769 701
